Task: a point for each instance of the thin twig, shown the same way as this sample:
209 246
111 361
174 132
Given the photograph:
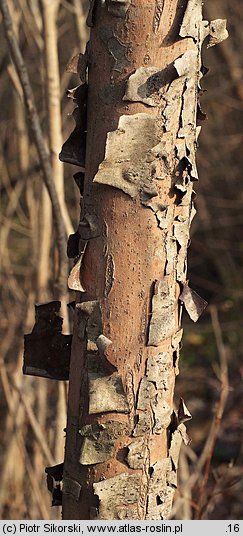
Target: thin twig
205 458
36 428
224 389
39 140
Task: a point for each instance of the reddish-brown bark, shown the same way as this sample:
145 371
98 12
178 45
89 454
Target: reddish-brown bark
123 436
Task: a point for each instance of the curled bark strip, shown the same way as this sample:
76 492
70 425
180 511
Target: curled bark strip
54 480
183 412
79 179
89 227
194 304
90 321
217 32
74 279
73 245
73 150
103 344
46 350
78 65
110 275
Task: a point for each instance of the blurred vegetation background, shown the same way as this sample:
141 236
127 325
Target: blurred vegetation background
33 411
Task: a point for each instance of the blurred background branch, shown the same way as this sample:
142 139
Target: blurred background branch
43 154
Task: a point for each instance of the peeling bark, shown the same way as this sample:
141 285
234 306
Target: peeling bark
46 350
193 303
118 8
118 497
73 150
123 435
128 163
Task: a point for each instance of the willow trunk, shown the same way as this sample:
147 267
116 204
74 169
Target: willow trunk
141 76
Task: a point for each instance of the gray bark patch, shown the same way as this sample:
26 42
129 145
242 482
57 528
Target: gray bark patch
129 157
158 370
118 8
106 394
193 303
72 488
95 450
217 32
89 321
163 321
117 49
136 454
192 19
144 86
160 494
154 412
115 494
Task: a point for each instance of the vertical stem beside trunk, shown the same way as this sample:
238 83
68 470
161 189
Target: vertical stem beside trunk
53 96
123 436
49 17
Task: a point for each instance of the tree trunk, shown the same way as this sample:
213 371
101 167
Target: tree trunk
123 435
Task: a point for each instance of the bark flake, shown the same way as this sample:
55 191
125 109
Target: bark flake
116 496
117 49
164 317
193 303
73 150
96 450
118 8
46 350
160 494
74 279
128 163
136 454
192 19
78 65
71 487
106 394
217 32
145 86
